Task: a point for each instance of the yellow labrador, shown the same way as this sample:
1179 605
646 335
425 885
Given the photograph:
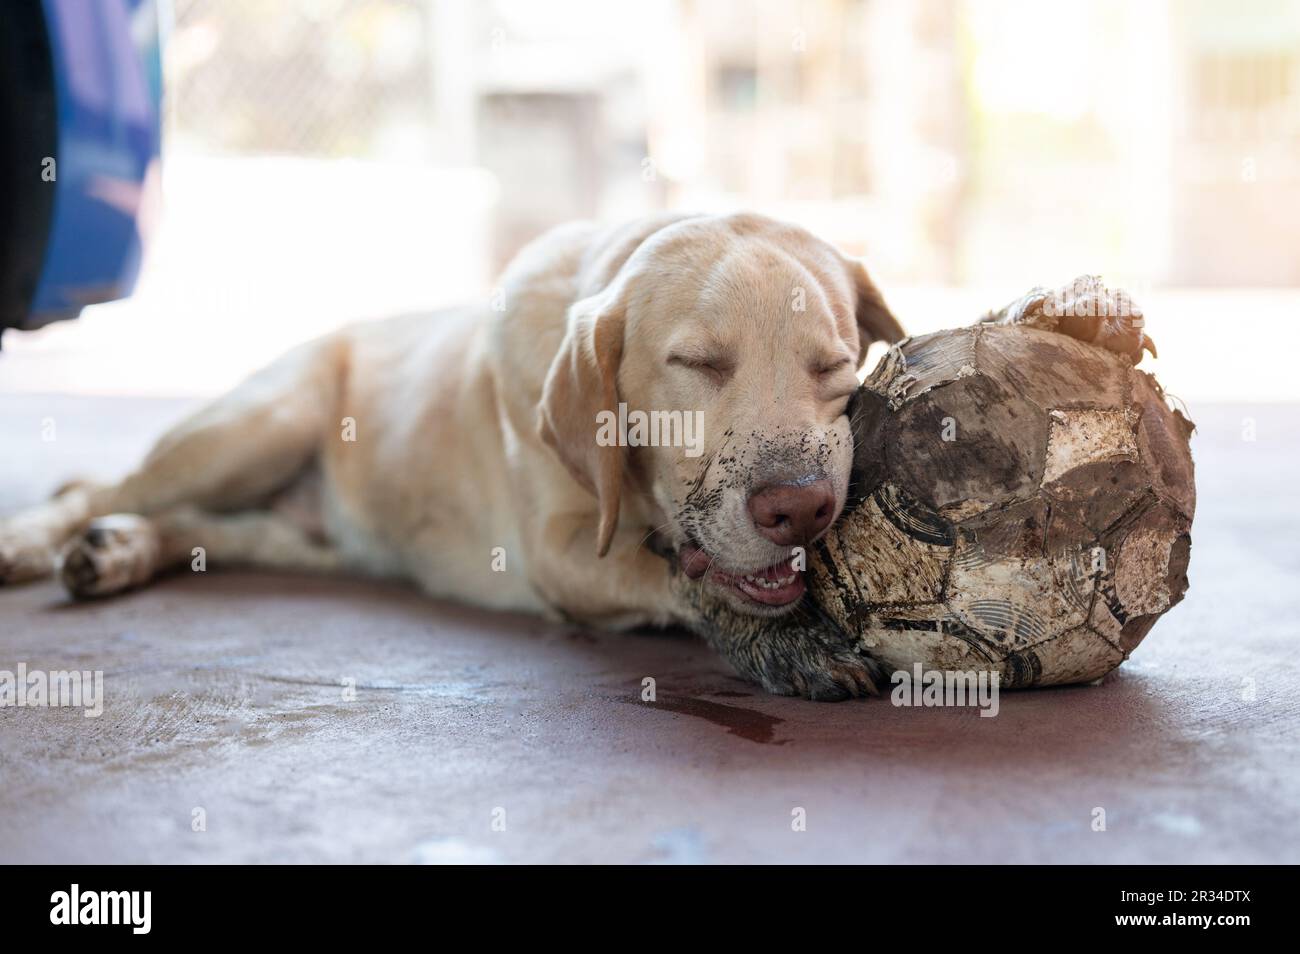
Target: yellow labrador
648 430
673 387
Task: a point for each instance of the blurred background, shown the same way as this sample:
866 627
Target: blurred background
328 160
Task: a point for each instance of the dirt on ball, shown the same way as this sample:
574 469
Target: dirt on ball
1023 504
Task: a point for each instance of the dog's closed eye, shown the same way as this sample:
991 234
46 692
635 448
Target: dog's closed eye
836 377
717 368
833 366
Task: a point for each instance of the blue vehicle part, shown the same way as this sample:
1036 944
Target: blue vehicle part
80 108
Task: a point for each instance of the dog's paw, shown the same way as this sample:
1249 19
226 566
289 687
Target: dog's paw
805 655
795 659
112 554
1086 310
818 673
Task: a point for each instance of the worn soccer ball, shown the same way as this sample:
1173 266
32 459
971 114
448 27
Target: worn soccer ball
1022 505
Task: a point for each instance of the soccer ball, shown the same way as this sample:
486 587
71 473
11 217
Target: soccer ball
1022 505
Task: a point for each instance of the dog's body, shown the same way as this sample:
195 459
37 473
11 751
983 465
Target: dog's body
461 450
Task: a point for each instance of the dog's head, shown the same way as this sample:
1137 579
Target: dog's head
710 377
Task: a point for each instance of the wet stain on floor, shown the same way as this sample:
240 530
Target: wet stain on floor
748 724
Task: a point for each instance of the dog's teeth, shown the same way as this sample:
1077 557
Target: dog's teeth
769 584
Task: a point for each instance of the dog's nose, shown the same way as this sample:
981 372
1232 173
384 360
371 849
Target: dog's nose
789 514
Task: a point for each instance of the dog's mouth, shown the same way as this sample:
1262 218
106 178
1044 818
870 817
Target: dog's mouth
774 587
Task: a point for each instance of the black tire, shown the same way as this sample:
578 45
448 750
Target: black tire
28 135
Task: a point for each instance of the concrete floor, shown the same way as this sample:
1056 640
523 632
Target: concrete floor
224 694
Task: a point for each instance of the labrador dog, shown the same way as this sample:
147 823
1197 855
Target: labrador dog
643 412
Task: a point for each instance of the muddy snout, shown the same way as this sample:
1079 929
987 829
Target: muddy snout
795 513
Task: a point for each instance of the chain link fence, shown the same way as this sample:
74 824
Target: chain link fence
322 78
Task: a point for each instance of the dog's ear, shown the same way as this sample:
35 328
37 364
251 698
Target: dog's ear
875 321
582 382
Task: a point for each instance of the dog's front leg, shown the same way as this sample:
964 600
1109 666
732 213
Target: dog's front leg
630 586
